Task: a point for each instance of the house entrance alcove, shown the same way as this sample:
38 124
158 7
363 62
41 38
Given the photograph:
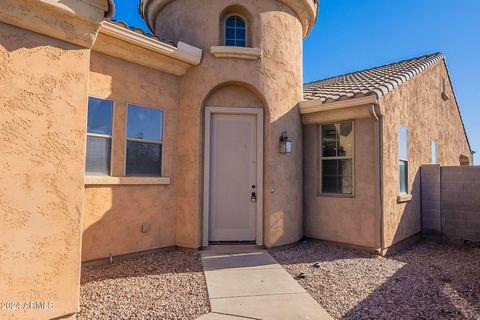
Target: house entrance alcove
233 166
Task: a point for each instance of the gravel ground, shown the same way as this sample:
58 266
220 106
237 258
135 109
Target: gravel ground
166 285
426 281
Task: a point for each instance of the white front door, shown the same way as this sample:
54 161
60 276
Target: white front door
233 176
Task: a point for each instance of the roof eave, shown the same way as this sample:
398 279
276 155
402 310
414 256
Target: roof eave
123 43
311 106
317 112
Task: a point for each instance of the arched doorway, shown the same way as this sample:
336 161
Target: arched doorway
233 166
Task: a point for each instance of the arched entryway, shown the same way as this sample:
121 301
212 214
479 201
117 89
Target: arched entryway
233 166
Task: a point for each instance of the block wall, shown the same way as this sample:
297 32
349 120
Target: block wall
451 203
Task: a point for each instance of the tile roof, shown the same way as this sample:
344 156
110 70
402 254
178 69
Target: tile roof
140 31
376 81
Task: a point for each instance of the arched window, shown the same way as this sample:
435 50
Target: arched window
235 32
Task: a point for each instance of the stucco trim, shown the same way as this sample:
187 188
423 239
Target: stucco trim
338 114
236 52
107 180
76 22
404 198
311 106
183 52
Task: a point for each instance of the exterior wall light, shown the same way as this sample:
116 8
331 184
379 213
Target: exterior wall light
285 144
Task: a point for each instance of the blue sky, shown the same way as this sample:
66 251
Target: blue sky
352 35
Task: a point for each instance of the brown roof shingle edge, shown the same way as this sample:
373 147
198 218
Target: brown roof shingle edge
377 81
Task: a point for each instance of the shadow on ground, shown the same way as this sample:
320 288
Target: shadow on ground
427 281
168 262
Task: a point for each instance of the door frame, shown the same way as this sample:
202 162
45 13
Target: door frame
209 111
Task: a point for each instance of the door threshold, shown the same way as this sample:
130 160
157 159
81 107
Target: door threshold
231 243
233 247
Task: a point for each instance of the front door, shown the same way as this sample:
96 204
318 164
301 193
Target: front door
233 176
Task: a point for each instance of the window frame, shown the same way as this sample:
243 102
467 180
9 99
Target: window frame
245 20
406 161
144 140
97 135
320 158
434 142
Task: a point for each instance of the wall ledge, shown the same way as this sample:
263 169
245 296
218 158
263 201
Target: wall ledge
236 52
76 22
107 180
404 198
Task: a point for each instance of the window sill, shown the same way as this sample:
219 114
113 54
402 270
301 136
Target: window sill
236 52
106 181
404 198
335 195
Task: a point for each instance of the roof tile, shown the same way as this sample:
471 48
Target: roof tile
376 81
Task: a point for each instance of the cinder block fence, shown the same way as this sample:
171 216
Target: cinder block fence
451 203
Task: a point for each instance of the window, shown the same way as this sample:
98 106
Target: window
99 136
434 152
144 142
336 158
235 32
403 158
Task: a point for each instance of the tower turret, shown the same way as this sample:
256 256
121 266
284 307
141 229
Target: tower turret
253 53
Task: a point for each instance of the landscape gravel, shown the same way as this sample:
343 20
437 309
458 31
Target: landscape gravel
426 281
164 285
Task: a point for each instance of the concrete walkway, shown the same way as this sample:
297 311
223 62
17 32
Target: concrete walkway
252 285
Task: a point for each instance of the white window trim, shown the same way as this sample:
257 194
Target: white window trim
320 158
111 137
225 29
143 140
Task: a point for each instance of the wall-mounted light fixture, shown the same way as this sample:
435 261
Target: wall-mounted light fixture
285 144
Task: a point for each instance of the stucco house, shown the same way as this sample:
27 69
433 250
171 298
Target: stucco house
115 141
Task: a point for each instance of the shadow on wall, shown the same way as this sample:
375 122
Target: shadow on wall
408 214
114 215
282 212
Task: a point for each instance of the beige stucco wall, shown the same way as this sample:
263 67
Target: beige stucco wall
277 80
419 106
43 85
353 220
114 214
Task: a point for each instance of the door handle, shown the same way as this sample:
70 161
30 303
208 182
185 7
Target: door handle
254 197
